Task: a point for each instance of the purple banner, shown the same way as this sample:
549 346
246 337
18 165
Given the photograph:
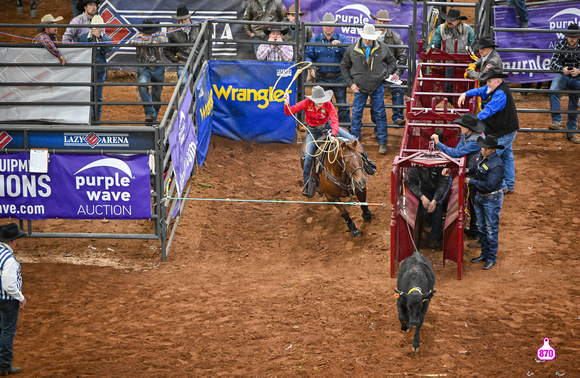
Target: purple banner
183 146
76 186
549 16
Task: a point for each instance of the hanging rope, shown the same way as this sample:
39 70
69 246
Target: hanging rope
279 201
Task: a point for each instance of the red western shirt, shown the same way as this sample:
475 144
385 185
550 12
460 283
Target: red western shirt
315 117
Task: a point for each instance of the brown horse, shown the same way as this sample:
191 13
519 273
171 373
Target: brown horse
341 174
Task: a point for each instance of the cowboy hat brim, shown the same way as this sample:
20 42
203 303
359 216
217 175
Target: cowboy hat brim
485 77
452 18
478 46
478 128
573 34
481 142
184 17
17 235
381 19
321 100
372 37
268 30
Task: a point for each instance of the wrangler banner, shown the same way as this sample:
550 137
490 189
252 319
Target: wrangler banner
203 114
548 16
76 186
246 105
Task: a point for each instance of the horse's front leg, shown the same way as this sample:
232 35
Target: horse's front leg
362 197
346 216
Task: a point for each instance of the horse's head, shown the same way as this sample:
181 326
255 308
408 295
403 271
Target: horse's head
350 154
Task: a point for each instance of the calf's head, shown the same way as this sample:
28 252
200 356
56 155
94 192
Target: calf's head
415 300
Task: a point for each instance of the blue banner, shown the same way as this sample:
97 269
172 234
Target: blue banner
76 186
246 105
203 114
549 16
183 146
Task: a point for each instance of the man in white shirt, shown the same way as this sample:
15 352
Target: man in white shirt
11 298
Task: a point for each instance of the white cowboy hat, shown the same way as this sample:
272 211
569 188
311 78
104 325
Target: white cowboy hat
97 20
382 15
369 32
319 96
49 19
328 19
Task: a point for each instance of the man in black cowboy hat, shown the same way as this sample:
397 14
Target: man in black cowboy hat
453 30
500 117
275 53
11 298
181 34
567 66
489 172
489 59
89 9
471 128
149 53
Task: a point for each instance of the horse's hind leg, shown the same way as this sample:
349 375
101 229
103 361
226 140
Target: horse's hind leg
366 213
349 222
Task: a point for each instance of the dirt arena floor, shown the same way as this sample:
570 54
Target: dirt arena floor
252 289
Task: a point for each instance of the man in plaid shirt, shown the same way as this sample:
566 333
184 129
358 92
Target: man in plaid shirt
567 66
275 53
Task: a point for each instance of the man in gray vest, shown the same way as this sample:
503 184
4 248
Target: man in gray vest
452 31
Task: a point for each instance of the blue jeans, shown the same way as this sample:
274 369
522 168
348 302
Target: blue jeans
378 107
487 210
521 9
560 82
339 95
507 156
156 75
312 134
398 96
180 71
101 78
8 319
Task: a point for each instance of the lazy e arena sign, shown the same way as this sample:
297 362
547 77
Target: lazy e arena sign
76 186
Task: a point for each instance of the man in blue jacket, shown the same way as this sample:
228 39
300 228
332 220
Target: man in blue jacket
489 172
500 117
330 54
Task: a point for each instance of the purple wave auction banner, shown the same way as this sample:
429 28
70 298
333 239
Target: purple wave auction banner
549 16
183 146
76 186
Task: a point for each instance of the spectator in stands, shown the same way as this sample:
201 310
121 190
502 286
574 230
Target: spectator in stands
148 53
330 54
521 10
471 128
453 30
389 37
489 59
11 298
47 36
500 117
291 37
20 8
364 66
430 187
89 9
489 172
258 10
275 53
184 35
567 66
321 118
97 35
75 11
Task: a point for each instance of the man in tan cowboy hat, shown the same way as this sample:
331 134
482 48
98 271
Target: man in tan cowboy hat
181 34
258 10
291 17
89 8
11 298
47 36
567 66
364 66
453 30
389 37
275 53
331 53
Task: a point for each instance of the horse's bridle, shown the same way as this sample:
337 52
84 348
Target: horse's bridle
349 172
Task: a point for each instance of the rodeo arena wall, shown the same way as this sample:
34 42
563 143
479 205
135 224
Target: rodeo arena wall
56 163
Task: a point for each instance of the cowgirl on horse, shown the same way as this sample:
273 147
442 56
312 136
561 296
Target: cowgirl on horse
321 118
